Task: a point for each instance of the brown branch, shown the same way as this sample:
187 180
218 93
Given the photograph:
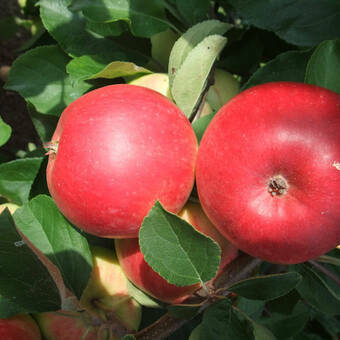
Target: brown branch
241 268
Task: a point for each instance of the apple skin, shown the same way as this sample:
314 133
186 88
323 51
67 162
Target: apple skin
155 81
63 325
19 327
107 290
285 136
137 270
225 87
120 149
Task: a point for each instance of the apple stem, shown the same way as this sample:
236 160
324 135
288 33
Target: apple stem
324 270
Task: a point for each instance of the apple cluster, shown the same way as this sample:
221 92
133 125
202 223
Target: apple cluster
266 171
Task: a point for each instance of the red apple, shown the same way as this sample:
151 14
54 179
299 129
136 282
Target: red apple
120 148
267 171
19 327
144 277
69 326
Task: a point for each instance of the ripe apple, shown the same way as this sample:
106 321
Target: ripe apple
63 325
19 327
120 148
107 291
267 171
144 277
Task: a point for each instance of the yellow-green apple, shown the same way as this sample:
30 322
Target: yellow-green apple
155 81
19 327
106 304
106 294
144 277
119 149
161 45
225 87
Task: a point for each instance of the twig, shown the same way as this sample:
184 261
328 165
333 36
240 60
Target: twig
325 271
241 268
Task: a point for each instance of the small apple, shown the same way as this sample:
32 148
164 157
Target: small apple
19 327
161 45
144 277
107 290
155 81
63 325
225 87
116 151
267 171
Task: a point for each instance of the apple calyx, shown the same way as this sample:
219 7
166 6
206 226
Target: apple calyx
51 147
277 186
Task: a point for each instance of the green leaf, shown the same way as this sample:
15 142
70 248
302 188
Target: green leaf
201 124
89 67
259 331
189 40
288 66
69 29
44 124
191 78
5 132
40 77
42 223
285 326
316 292
110 29
175 250
323 66
143 298
303 22
194 11
221 322
17 177
252 308
25 284
267 287
144 17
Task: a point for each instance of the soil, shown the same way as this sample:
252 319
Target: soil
12 106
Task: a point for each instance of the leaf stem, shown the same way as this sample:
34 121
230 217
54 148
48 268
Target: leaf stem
241 268
324 270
